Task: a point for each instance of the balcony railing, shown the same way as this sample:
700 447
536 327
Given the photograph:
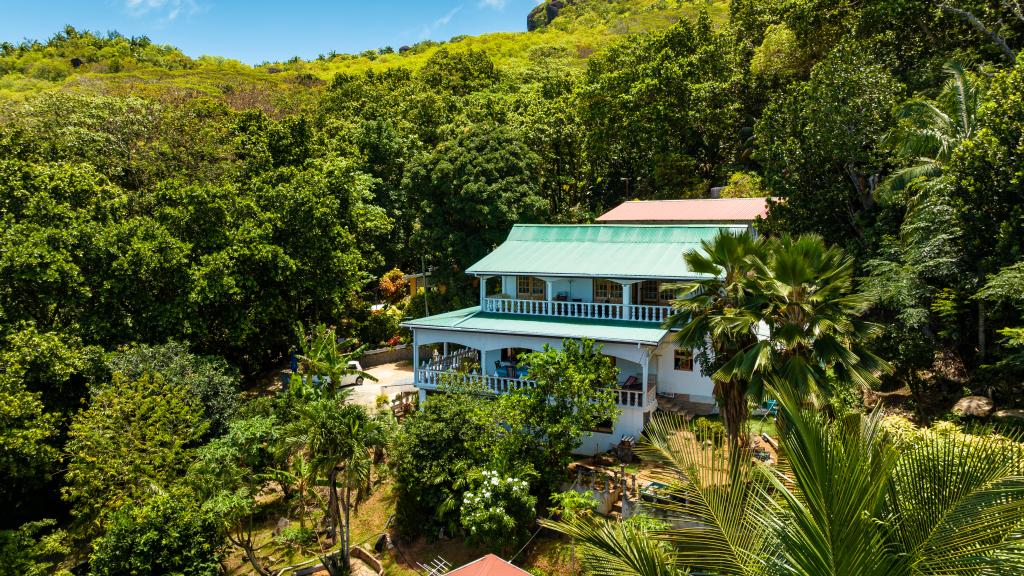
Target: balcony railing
590 310
430 378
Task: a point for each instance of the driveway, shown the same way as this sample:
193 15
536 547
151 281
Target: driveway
392 379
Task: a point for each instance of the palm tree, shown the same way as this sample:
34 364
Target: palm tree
336 436
929 131
814 335
718 318
845 499
322 355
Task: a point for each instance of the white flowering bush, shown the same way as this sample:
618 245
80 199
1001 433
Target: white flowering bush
497 510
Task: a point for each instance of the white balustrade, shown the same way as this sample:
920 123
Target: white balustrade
432 379
589 310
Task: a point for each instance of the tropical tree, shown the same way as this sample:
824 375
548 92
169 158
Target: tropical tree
814 336
571 397
229 473
337 437
845 499
324 357
780 309
135 436
718 318
929 131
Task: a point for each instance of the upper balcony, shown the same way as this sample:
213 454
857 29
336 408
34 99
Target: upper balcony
578 309
586 271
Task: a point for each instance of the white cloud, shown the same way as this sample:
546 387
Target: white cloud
439 23
167 10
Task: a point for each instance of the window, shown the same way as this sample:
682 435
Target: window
649 292
683 360
656 293
530 288
607 291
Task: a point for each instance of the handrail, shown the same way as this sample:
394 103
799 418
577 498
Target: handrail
431 378
589 310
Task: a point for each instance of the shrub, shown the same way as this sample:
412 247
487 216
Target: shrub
165 535
393 285
380 327
709 430
498 510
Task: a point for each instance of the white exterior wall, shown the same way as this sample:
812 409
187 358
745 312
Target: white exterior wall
628 357
672 381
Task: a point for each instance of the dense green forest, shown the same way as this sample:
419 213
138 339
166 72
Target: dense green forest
167 220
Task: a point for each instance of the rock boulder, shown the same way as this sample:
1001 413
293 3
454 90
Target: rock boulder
973 406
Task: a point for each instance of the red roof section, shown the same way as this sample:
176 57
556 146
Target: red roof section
695 210
489 565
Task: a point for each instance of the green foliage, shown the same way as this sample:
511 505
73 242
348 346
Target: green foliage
957 497
572 504
33 549
572 395
779 309
497 510
661 110
166 534
779 56
228 474
323 363
436 449
819 145
744 185
136 435
380 327
706 431
210 379
471 190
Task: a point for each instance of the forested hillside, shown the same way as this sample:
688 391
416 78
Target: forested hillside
187 212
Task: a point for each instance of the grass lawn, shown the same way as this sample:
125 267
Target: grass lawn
756 424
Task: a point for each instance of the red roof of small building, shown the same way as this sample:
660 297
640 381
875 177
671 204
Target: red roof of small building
694 210
489 565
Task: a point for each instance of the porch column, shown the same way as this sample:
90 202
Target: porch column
549 294
644 363
483 290
446 349
415 359
627 298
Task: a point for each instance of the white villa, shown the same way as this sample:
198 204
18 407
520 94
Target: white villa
546 283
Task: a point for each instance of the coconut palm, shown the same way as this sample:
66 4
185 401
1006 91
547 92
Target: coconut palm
929 131
718 317
845 499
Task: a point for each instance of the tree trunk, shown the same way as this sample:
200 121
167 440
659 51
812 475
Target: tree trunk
345 537
733 398
332 504
981 329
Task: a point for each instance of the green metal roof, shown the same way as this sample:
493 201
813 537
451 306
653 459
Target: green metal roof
604 251
472 320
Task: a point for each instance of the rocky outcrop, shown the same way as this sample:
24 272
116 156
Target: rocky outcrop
545 12
973 406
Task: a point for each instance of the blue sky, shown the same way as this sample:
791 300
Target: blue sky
262 30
